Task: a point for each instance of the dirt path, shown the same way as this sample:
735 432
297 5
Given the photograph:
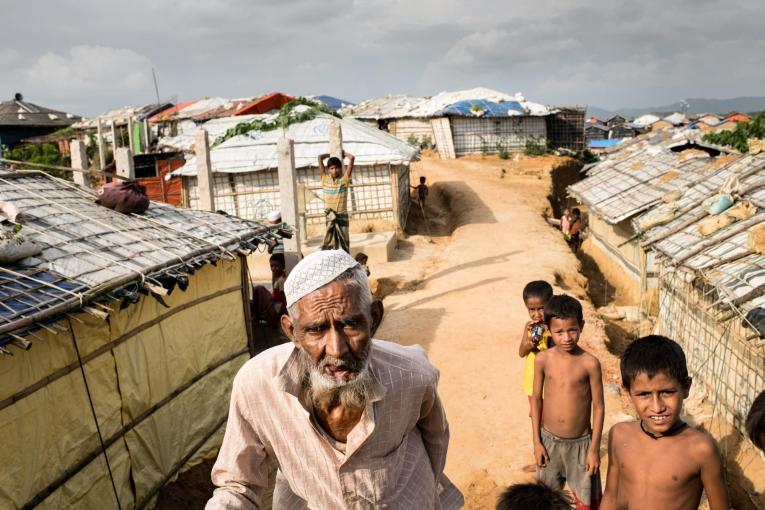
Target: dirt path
458 294
463 304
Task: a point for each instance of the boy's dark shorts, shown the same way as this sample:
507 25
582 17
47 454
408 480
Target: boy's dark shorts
568 463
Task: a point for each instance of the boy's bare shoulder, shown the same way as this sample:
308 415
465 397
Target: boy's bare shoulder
700 444
624 430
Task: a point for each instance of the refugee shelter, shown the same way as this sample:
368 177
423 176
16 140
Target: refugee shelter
393 113
710 255
121 339
628 183
21 119
246 182
186 117
123 127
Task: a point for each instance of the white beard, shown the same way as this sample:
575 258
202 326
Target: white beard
351 394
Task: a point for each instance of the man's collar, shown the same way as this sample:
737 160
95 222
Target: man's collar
289 378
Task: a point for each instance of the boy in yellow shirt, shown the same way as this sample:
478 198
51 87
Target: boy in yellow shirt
535 337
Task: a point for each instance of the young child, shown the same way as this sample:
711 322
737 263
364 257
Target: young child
566 441
533 496
658 461
362 259
574 230
755 422
422 192
535 337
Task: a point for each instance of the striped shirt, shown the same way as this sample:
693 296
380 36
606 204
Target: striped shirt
394 456
335 192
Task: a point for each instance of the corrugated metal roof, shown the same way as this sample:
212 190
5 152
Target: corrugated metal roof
257 150
18 112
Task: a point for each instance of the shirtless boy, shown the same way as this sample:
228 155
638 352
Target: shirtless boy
658 461
566 441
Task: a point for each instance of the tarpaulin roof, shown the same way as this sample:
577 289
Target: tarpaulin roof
257 149
120 115
332 102
603 144
637 179
396 107
723 257
89 251
215 128
482 108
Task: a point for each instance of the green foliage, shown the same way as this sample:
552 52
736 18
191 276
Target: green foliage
484 147
737 138
502 152
44 153
536 148
286 117
412 140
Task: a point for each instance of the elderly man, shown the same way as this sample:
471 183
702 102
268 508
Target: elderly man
352 422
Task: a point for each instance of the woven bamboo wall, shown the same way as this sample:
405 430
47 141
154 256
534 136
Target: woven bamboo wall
484 135
721 355
252 195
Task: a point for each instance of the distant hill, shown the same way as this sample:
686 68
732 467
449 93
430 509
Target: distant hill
696 105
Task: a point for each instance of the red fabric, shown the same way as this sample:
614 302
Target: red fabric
578 505
125 197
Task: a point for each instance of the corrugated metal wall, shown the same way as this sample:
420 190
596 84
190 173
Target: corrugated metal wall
484 135
252 195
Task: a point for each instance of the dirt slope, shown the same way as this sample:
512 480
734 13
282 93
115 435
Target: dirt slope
467 310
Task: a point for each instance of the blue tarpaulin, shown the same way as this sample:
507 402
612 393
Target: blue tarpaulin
482 108
333 102
604 144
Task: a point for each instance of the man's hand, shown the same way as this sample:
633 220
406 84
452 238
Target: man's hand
540 455
593 460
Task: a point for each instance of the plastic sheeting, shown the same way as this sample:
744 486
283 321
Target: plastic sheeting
48 432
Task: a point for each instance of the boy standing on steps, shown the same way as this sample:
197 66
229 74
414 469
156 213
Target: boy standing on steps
566 440
335 188
659 461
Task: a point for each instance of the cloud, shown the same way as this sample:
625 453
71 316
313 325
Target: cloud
616 53
89 69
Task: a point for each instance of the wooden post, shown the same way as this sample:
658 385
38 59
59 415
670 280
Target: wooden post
289 200
124 161
101 148
205 182
115 145
79 156
146 136
130 135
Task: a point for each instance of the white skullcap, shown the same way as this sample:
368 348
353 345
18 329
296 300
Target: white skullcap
315 271
274 216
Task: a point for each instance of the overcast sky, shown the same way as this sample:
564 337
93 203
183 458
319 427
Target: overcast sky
86 56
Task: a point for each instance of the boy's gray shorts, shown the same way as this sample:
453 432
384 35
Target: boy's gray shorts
568 463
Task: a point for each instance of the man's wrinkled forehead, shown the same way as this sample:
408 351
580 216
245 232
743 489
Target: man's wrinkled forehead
337 297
